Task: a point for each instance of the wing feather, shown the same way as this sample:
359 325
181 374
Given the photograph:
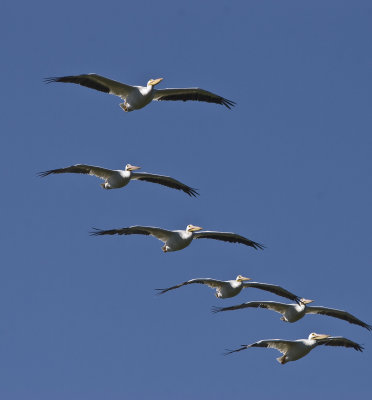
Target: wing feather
340 341
332 312
270 305
161 234
94 81
278 290
164 180
102 173
213 283
278 344
195 94
227 237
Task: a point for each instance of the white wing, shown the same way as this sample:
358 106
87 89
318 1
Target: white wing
192 94
102 173
332 312
164 180
227 237
96 82
281 345
213 283
161 234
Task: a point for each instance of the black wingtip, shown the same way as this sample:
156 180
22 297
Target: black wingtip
192 192
215 309
96 232
227 103
228 351
359 347
43 174
51 79
257 246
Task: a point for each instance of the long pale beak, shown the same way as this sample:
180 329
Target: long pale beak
132 167
243 278
195 228
318 337
155 81
306 301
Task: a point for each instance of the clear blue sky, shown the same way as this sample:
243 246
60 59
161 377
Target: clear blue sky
290 167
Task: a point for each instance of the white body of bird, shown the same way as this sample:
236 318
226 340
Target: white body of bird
177 240
117 179
230 289
296 350
138 97
294 312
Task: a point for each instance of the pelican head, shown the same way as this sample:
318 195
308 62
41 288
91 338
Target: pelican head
129 167
306 301
193 228
317 336
153 82
241 278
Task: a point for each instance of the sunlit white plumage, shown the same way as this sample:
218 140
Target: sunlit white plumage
179 239
293 350
137 97
226 289
294 312
115 179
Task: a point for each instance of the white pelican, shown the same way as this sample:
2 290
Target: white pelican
136 97
115 179
226 289
294 312
293 350
179 239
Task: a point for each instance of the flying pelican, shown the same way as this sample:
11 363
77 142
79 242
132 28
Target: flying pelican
136 97
179 239
293 350
294 312
226 289
115 179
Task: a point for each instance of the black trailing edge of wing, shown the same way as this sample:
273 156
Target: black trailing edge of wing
200 97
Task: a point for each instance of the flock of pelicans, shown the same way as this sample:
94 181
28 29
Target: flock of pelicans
137 97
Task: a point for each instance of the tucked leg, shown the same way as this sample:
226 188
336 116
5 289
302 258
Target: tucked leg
282 360
123 106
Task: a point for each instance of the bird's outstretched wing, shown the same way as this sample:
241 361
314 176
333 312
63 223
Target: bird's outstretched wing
164 180
213 283
96 82
270 305
340 341
192 94
278 344
102 173
332 312
227 237
278 290
161 234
